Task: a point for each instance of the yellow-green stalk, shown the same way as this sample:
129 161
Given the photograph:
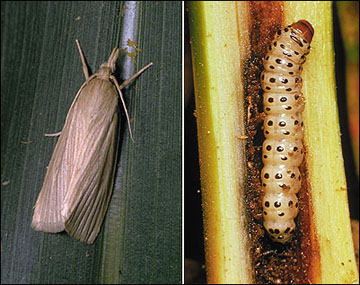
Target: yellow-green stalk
220 46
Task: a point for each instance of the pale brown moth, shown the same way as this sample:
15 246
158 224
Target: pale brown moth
80 177
283 128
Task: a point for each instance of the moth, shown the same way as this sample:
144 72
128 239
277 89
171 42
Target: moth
282 150
79 180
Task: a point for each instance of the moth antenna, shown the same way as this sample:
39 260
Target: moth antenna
84 65
112 59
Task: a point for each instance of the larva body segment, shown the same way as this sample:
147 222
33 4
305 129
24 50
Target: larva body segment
283 128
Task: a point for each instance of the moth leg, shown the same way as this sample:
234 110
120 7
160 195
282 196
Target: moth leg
112 77
126 82
84 66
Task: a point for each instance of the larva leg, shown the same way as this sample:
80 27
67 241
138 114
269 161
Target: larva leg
85 69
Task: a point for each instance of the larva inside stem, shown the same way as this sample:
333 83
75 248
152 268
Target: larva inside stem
283 128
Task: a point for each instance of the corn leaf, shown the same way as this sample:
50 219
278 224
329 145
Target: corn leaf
41 72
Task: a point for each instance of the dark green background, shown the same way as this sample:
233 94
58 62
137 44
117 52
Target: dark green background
41 72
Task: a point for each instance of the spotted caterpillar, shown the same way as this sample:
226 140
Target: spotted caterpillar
283 128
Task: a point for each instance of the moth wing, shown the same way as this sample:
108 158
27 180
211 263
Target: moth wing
94 159
47 210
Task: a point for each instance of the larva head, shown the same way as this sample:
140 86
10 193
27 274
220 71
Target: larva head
305 29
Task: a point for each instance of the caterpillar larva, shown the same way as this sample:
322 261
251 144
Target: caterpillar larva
283 128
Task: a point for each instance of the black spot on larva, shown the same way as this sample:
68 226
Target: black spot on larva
296 122
263 77
275 43
284 158
277 231
295 148
297 80
264 184
272 80
284 80
286 53
296 97
288 89
265 156
288 108
303 57
271 67
302 124
287 230
308 47
280 148
277 204
278 176
267 109
278 61
270 100
305 41
282 46
299 178
265 213
271 231
290 64
266 132
290 203
292 175
266 175
267 88
267 204
296 205
281 214
296 52
270 123
286 30
282 124
279 32
286 133
268 147
291 73
283 99
267 57
269 47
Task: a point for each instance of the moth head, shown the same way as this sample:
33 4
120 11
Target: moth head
109 66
